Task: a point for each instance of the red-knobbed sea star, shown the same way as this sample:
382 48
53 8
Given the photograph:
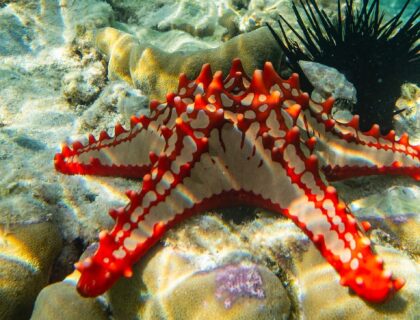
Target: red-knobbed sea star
219 142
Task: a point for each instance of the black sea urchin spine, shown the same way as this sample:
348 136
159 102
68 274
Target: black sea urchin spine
376 56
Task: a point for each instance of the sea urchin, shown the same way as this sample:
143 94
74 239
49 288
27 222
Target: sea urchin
376 56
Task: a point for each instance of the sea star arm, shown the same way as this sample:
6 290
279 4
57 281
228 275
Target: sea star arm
327 221
347 152
168 195
125 154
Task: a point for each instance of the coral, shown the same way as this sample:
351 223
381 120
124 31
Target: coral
14 33
61 301
27 255
316 287
199 18
33 114
49 24
155 72
82 87
117 103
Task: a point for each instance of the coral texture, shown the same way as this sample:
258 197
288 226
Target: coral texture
53 303
156 72
27 253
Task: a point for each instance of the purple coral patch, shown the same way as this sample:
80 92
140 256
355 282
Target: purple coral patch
235 281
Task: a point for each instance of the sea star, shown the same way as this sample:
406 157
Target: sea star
219 142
